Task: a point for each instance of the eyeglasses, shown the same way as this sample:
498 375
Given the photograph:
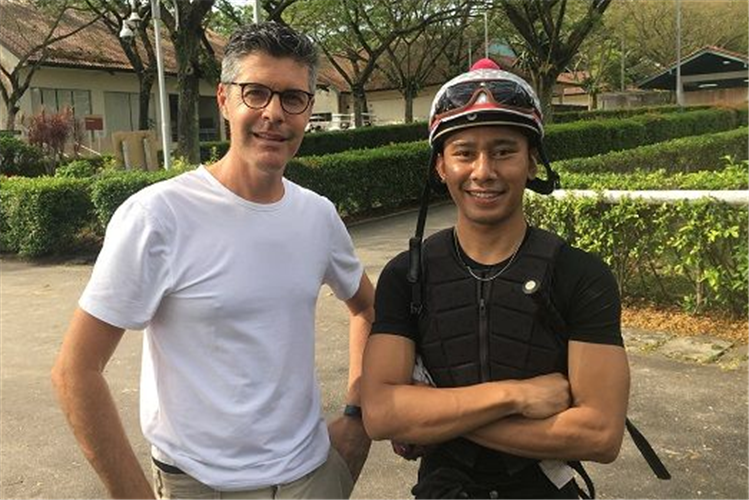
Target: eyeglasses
258 96
503 93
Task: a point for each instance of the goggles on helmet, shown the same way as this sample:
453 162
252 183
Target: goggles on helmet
501 92
485 95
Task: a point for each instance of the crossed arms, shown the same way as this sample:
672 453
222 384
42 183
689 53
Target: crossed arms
546 417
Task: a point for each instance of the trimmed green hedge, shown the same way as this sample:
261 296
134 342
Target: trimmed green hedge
19 158
358 181
585 139
109 191
563 141
694 254
336 141
734 176
679 155
566 140
598 114
43 215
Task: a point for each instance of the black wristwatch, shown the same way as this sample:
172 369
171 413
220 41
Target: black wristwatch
352 411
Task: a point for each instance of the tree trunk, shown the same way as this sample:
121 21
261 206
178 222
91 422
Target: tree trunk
409 97
360 104
189 93
145 83
593 101
10 120
187 123
545 90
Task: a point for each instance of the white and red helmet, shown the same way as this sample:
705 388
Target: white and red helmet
485 95
488 95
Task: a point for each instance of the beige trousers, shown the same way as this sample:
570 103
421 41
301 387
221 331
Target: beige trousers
331 480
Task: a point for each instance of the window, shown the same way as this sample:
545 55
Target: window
58 99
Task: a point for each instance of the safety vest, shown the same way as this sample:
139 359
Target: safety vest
475 331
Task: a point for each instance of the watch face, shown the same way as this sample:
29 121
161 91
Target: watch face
352 411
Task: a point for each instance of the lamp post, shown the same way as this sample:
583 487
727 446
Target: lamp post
679 87
127 33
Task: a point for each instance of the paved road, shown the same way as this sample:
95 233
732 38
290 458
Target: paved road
695 414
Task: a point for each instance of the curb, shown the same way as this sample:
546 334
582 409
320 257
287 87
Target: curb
702 349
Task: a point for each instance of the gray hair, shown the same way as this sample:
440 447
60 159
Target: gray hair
274 39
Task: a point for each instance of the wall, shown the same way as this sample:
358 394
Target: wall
101 84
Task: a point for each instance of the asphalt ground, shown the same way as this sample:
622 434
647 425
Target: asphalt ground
693 409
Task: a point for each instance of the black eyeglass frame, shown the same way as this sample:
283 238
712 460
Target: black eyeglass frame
280 93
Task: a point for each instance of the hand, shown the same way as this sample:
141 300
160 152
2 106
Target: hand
408 451
545 395
348 437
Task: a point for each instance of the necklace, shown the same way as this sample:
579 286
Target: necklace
470 271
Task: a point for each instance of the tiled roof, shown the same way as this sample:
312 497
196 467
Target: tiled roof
24 26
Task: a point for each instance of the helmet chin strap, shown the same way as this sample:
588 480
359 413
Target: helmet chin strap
541 186
552 182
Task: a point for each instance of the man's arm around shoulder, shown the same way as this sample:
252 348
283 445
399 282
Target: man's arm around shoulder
88 405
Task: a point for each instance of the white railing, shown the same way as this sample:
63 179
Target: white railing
733 197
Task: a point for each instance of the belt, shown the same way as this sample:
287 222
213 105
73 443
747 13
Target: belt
169 469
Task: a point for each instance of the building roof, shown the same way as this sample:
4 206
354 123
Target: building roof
708 67
24 27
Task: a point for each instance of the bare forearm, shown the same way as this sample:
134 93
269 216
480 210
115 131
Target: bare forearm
575 434
91 412
426 415
359 328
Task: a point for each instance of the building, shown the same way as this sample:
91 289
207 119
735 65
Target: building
710 75
90 73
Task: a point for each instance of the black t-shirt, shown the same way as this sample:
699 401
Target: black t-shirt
583 289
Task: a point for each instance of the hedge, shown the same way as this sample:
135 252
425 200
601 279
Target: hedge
567 140
679 155
358 181
384 178
109 191
43 215
19 158
598 114
563 141
585 139
733 176
694 254
336 141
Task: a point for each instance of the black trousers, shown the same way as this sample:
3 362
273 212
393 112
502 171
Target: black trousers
442 477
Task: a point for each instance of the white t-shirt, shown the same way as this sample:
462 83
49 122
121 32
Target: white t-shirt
226 290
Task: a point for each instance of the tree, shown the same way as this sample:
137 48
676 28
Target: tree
413 58
61 20
195 59
228 16
354 40
593 64
550 35
139 52
647 28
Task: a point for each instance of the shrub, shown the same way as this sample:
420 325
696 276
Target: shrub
78 169
679 155
336 141
358 181
110 190
50 132
43 216
690 253
602 114
19 158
